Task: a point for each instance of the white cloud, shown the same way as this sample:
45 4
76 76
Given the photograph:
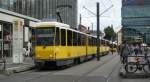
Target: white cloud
113 16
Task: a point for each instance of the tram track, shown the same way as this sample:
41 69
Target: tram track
34 74
76 80
93 69
50 73
115 67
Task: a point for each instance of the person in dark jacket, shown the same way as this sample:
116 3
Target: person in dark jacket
124 52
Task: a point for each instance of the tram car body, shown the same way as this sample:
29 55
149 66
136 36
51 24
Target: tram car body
56 44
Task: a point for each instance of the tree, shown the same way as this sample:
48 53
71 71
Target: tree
110 33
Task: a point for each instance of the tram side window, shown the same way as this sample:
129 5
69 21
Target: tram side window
83 42
63 37
90 41
95 42
79 39
69 38
106 43
103 42
75 41
88 38
57 39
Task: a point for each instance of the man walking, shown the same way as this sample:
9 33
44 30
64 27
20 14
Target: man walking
124 52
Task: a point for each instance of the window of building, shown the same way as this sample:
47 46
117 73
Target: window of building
4 4
41 9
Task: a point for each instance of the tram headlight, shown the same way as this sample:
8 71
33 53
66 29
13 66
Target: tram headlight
51 56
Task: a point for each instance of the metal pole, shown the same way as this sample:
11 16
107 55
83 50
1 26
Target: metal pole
92 27
98 33
80 18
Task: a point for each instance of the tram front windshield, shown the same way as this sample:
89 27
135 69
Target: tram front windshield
45 36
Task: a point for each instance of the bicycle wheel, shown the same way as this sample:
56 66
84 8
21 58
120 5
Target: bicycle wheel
146 69
130 68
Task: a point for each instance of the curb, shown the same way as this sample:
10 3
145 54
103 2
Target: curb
18 69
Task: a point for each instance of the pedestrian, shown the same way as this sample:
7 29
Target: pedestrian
124 52
132 49
119 49
137 49
32 53
24 53
8 37
29 45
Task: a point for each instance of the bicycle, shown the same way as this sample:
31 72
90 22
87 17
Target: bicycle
146 67
132 67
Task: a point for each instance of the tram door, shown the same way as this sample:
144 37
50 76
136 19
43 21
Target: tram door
5 39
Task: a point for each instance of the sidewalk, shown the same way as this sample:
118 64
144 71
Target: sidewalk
15 68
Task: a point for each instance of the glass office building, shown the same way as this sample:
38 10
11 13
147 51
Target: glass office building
136 19
25 13
44 9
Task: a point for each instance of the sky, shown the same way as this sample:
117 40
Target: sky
111 17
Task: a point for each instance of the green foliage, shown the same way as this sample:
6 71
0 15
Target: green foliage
110 33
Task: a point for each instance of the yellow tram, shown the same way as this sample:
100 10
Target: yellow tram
56 44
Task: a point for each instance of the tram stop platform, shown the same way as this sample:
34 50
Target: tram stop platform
137 74
11 68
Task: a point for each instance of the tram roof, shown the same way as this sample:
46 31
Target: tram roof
50 24
59 25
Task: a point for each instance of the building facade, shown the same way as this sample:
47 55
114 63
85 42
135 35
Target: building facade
17 16
44 9
119 37
136 20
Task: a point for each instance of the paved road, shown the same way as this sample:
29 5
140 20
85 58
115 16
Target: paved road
105 70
